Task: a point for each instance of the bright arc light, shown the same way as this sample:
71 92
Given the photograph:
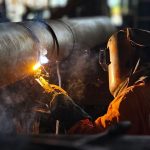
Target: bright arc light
43 59
36 66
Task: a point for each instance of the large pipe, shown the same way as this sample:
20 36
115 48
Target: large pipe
21 44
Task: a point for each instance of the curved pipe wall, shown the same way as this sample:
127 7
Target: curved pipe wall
21 44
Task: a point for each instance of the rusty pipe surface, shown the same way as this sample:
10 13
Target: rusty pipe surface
21 44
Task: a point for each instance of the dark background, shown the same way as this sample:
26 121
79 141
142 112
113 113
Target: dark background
82 76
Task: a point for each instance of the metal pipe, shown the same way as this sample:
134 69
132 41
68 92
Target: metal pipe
18 52
21 44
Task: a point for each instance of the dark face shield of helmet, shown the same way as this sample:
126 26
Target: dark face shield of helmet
104 58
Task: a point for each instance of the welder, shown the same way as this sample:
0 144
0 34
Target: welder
127 60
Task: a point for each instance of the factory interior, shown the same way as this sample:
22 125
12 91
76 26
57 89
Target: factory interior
68 68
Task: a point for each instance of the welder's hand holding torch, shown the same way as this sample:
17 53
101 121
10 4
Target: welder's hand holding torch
63 108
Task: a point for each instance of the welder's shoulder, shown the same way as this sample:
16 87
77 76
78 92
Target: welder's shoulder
125 106
132 95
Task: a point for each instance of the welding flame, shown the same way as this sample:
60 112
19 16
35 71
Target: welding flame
42 60
36 66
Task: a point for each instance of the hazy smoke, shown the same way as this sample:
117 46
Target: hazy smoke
17 100
16 115
6 125
77 70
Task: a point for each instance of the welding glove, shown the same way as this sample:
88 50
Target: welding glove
64 109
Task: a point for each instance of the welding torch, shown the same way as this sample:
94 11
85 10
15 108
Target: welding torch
52 89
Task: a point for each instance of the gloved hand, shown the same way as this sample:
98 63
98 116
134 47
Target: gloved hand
63 108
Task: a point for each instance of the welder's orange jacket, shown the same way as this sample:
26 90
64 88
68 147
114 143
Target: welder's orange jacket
132 104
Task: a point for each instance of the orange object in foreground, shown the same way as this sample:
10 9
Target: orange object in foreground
132 104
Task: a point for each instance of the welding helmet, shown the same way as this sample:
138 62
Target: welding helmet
124 48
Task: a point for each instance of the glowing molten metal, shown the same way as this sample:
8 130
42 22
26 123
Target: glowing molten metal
36 66
42 60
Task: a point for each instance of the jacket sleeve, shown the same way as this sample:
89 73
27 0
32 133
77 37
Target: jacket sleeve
122 108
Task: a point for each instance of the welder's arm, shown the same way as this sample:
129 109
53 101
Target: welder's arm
63 108
78 121
118 111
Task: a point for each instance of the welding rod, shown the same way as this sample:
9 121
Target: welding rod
21 44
